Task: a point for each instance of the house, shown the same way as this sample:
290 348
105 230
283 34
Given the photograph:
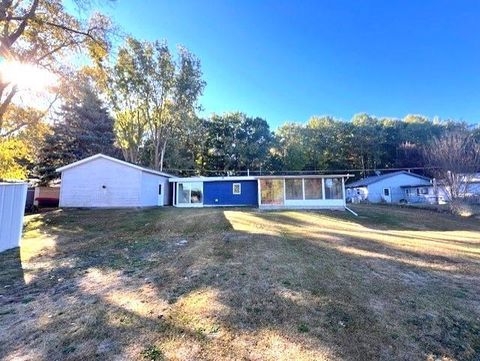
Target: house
265 192
12 206
388 188
421 193
103 181
469 188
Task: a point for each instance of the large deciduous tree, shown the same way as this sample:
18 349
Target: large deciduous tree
455 160
152 94
42 33
236 142
38 35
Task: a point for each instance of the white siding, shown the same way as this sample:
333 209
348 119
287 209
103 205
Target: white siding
101 183
375 190
149 193
12 206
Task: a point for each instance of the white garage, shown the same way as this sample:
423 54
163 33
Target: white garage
103 181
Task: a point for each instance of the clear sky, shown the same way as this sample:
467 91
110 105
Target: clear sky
289 60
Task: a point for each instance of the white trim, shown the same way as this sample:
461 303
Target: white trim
259 193
323 190
99 155
306 176
244 178
210 179
189 204
303 188
239 188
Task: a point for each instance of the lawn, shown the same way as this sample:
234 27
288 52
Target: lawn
215 284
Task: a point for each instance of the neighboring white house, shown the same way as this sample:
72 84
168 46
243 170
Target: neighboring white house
12 206
103 181
388 188
469 189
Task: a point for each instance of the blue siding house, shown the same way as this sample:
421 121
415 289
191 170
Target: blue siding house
230 193
265 192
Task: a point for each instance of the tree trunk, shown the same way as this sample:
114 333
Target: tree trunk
162 155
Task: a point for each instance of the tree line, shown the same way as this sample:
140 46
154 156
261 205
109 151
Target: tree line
235 143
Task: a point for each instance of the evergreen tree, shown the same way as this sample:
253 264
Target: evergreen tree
83 128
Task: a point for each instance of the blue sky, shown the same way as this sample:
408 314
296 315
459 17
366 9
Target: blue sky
289 60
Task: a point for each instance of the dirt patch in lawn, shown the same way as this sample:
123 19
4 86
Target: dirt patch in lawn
213 284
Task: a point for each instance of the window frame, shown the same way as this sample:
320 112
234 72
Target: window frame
302 189
264 190
187 186
336 181
322 187
239 189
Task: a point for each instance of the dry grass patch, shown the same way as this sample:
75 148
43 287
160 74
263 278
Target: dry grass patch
238 284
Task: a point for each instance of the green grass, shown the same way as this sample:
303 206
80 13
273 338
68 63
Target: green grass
393 283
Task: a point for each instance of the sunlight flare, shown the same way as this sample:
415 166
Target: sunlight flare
26 76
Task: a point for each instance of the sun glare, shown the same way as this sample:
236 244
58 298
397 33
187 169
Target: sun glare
27 76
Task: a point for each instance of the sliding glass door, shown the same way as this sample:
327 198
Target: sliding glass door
190 193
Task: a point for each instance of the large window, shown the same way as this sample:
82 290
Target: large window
190 193
333 188
313 188
293 188
271 191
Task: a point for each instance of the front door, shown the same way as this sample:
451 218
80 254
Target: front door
160 194
387 195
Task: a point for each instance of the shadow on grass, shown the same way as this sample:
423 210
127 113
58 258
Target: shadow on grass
305 290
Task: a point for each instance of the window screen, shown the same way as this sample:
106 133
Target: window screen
333 188
271 191
293 188
313 188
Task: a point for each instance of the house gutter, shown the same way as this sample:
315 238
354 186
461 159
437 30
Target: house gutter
352 212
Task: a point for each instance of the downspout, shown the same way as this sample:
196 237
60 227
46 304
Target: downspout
344 200
352 212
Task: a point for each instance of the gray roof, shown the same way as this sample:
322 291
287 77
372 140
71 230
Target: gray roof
122 162
373 179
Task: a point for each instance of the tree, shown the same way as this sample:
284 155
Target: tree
11 150
83 128
454 158
42 33
149 86
130 131
236 142
187 148
37 35
291 141
19 150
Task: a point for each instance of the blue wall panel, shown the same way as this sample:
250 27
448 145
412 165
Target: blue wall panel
221 193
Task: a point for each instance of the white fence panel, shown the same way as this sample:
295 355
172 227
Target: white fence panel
12 208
